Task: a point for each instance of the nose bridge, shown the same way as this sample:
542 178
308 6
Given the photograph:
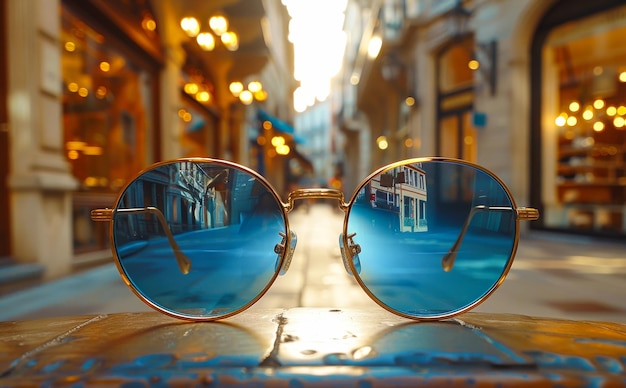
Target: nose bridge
315 193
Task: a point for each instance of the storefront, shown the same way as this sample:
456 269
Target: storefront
578 151
110 95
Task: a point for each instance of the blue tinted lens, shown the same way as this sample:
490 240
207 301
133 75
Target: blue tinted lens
436 237
219 256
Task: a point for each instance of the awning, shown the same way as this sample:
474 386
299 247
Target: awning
279 125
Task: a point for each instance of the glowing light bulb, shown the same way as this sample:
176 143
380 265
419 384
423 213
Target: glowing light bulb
598 126
219 24
191 26
598 104
206 41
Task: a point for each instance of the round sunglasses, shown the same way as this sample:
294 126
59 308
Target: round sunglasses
204 239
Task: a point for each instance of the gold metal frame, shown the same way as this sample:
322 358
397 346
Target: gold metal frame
285 249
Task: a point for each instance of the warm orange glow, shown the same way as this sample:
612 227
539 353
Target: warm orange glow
382 142
101 92
261 95
206 41
219 24
473 64
91 181
598 104
72 155
148 24
278 141
75 145
374 46
92 150
611 111
246 97
191 88
191 26
230 40
598 126
203 96
283 149
235 88
572 121
561 120
255 86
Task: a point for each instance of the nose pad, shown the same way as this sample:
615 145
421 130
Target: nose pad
351 251
288 253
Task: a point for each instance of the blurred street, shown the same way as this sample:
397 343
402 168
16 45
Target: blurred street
552 276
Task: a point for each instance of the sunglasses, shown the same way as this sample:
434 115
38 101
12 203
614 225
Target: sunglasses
204 239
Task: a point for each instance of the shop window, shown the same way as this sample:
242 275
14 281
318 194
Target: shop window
107 115
583 124
456 135
460 136
454 73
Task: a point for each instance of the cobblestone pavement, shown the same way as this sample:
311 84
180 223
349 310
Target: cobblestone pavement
552 276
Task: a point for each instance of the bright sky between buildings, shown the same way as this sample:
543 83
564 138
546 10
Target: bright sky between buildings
316 31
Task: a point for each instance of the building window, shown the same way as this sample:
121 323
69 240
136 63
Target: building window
455 90
583 129
107 121
105 104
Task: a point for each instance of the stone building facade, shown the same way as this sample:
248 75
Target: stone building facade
485 81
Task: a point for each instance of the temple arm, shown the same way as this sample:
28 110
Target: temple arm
522 213
184 264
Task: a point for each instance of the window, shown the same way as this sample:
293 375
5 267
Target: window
108 115
584 131
106 108
456 136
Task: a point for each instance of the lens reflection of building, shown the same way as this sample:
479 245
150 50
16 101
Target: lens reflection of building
534 90
96 91
401 192
190 196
